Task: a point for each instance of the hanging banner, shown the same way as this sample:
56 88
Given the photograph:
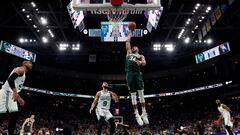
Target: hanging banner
218 12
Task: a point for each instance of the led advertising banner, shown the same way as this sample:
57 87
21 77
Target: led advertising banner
17 51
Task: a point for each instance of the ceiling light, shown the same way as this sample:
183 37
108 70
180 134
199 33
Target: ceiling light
28 16
23 9
209 41
200 41
30 19
50 32
192 31
37 9
187 40
200 20
44 39
34 26
33 4
196 41
198 4
30 40
21 40
196 27
34 40
203 17
25 40
189 19
43 21
194 11
204 41
209 8
38 30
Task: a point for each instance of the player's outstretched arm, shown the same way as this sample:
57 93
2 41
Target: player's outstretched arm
114 97
94 102
128 42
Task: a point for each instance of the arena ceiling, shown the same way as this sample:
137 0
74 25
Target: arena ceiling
14 24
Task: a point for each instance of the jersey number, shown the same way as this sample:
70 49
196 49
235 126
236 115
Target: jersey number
132 58
105 103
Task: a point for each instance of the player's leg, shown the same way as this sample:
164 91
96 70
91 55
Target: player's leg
101 119
131 81
228 124
141 98
3 109
13 110
110 119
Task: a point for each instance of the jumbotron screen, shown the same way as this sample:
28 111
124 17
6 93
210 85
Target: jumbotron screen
114 32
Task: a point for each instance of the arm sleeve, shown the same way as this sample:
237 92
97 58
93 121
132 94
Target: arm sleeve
11 79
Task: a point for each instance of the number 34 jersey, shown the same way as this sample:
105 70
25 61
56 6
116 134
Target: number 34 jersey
18 83
130 64
104 101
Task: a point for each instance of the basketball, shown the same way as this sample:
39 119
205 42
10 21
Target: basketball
132 26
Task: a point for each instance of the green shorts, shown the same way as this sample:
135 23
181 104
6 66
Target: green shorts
134 81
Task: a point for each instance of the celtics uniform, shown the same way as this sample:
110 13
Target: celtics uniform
6 95
133 73
103 106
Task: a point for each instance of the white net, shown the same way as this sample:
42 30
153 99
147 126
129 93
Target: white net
115 15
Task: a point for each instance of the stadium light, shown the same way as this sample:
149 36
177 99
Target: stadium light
51 33
156 47
85 31
145 32
33 4
44 39
169 47
21 40
187 40
43 21
209 41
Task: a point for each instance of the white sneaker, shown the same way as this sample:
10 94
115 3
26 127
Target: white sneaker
139 119
145 118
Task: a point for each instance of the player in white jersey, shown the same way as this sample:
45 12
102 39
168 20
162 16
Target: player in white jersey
225 115
103 101
9 95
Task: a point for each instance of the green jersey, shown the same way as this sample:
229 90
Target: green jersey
131 65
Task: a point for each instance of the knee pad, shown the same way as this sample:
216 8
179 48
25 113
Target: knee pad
134 98
141 96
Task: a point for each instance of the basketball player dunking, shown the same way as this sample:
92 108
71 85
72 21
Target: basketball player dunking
135 80
103 101
225 115
9 95
27 127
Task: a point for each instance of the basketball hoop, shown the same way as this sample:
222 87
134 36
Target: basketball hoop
115 15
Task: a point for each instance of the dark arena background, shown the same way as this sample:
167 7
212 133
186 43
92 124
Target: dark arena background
192 52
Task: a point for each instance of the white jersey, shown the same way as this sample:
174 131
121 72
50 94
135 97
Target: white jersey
104 100
18 83
226 116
